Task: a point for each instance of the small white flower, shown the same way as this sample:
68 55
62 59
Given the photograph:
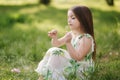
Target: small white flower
110 53
15 70
117 53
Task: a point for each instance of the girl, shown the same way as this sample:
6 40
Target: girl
77 63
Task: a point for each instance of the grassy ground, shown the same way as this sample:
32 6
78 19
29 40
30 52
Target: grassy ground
24 40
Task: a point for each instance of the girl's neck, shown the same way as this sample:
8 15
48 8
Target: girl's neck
77 33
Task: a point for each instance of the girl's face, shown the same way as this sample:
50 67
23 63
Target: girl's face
73 21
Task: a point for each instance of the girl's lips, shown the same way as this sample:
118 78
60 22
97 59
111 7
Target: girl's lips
70 24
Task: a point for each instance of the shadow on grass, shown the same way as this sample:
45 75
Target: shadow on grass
58 16
9 14
109 17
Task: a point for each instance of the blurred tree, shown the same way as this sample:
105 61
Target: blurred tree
110 2
45 2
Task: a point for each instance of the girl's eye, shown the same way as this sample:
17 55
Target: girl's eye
73 17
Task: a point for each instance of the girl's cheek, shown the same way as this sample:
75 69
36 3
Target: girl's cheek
72 20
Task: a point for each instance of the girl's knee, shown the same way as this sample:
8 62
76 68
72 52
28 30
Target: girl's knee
50 51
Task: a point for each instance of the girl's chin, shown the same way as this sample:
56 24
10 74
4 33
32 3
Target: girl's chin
72 28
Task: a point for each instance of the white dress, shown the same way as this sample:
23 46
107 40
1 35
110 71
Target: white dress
58 65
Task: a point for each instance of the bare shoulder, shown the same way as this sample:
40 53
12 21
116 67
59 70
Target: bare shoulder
86 40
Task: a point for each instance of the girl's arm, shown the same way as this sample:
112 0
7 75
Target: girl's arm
82 50
58 42
55 41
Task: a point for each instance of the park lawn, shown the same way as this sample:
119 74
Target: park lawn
24 40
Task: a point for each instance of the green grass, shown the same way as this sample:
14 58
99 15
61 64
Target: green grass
24 40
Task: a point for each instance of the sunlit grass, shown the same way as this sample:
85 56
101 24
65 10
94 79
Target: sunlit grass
34 9
101 4
17 2
24 40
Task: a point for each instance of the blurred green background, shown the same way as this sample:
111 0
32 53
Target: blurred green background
23 35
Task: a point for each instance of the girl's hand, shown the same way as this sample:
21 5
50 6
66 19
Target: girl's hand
52 33
68 37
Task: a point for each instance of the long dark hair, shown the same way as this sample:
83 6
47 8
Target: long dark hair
84 16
